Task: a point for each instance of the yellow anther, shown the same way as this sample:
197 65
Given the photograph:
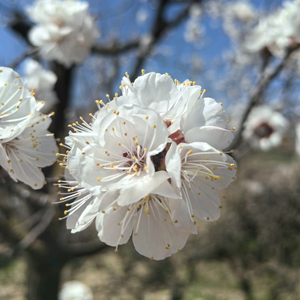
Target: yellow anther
99 179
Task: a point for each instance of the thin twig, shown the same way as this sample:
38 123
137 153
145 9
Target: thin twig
38 229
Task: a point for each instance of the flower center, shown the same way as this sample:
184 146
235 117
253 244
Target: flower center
176 136
264 130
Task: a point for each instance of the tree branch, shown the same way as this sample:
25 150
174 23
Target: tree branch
38 229
115 48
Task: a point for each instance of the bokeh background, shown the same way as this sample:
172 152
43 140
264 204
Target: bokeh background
254 250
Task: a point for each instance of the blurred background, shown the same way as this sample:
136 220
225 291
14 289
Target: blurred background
254 250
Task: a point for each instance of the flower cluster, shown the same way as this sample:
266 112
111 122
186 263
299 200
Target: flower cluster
65 31
276 32
25 143
149 165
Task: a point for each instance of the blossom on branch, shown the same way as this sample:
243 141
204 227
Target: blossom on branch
138 170
65 31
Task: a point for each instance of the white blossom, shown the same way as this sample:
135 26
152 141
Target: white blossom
75 290
119 166
265 128
276 32
65 31
41 81
25 143
148 165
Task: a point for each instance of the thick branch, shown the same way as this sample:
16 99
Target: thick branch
257 92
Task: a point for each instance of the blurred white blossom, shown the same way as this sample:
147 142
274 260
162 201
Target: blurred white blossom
194 30
276 32
75 290
65 31
141 16
41 81
242 11
264 128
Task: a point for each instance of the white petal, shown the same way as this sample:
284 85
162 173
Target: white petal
157 238
108 229
141 188
217 137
